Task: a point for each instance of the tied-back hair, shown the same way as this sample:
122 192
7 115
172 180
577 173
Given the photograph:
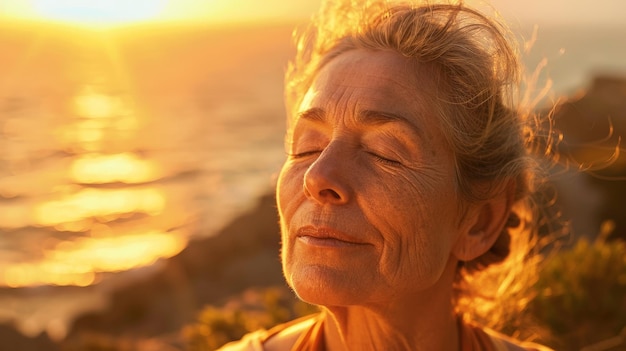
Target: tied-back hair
477 74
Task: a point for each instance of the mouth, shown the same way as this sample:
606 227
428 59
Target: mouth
327 237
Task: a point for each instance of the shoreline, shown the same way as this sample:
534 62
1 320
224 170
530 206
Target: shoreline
208 271
162 299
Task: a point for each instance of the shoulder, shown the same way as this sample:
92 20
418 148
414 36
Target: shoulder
250 342
284 336
279 338
504 343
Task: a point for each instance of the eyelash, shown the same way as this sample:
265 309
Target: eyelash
304 154
377 157
385 160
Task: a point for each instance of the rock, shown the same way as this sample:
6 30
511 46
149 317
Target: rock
594 127
14 340
598 116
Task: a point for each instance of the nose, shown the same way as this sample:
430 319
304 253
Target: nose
327 180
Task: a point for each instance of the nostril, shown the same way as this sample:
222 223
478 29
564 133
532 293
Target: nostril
331 193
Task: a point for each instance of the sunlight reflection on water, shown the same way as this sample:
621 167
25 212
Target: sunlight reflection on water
125 168
77 262
109 162
96 121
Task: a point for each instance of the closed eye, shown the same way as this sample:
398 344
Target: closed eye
304 154
384 160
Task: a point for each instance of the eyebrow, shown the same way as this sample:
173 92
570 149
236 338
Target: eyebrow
378 117
314 114
370 117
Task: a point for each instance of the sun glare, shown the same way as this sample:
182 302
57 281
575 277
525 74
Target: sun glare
111 13
99 12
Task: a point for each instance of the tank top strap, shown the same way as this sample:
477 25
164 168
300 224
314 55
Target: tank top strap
313 338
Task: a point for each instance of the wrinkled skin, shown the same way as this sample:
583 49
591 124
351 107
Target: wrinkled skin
367 198
372 222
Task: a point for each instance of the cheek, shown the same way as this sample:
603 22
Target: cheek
289 195
289 189
415 256
416 224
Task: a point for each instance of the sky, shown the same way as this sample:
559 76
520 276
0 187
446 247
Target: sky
121 11
592 12
583 12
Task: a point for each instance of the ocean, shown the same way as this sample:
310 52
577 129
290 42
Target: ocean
117 148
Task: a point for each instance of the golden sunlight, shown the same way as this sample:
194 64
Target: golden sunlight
79 262
99 12
76 212
107 13
101 119
90 104
124 168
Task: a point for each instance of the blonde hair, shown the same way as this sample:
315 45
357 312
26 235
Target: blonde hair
477 72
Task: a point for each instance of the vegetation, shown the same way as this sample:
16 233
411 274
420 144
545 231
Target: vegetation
256 309
581 292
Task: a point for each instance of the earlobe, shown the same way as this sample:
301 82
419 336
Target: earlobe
483 225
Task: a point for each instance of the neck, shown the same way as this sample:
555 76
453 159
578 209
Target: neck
422 321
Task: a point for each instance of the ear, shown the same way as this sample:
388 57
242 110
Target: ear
482 224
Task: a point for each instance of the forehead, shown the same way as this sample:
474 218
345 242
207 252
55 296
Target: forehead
361 79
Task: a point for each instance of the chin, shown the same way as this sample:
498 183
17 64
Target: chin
325 286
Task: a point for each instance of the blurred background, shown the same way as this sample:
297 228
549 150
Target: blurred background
129 129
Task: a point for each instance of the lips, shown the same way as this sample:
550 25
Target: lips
325 236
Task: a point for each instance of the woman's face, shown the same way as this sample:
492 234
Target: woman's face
368 205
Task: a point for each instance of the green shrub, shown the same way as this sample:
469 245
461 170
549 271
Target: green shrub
255 309
581 292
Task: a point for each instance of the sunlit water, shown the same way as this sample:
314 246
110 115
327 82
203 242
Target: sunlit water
118 148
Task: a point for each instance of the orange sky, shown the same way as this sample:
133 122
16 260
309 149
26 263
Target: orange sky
221 11
583 12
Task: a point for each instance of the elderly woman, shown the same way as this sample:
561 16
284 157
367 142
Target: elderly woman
407 176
